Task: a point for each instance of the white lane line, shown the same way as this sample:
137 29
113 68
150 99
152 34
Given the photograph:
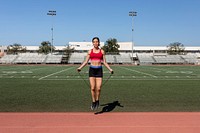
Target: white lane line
55 73
139 72
153 79
20 69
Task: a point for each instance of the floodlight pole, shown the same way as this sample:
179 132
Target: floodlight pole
132 14
52 13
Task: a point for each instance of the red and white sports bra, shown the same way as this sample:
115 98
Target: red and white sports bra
96 56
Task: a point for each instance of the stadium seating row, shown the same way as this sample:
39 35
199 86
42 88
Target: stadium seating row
122 58
167 59
77 58
30 59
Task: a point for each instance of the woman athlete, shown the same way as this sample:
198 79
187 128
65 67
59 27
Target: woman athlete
96 57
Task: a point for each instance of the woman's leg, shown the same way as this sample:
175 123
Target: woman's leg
98 91
98 88
92 87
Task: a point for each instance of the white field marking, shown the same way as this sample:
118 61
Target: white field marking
115 79
148 79
173 71
24 71
36 69
160 69
11 71
4 74
55 73
177 71
186 72
106 72
17 72
139 72
84 72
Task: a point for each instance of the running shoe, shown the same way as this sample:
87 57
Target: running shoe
97 104
93 105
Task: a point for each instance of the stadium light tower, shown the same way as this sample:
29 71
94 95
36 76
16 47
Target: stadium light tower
52 13
132 14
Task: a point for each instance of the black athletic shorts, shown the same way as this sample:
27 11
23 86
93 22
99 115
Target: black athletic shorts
96 71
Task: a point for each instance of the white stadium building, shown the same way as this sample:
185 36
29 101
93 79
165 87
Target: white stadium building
140 55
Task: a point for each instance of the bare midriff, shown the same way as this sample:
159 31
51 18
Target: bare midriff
95 63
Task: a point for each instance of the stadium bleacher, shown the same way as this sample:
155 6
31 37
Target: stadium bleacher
145 58
30 58
190 58
77 58
8 59
122 58
114 59
126 58
150 58
52 59
169 59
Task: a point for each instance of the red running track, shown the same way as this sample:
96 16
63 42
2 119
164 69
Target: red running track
178 122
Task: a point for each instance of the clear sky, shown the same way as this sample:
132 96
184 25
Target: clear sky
158 22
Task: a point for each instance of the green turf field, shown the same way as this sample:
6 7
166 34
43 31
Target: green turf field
62 89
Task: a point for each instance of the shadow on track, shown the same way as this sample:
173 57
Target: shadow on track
109 107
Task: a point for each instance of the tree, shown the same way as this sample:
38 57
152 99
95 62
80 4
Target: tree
16 48
46 47
175 48
111 46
